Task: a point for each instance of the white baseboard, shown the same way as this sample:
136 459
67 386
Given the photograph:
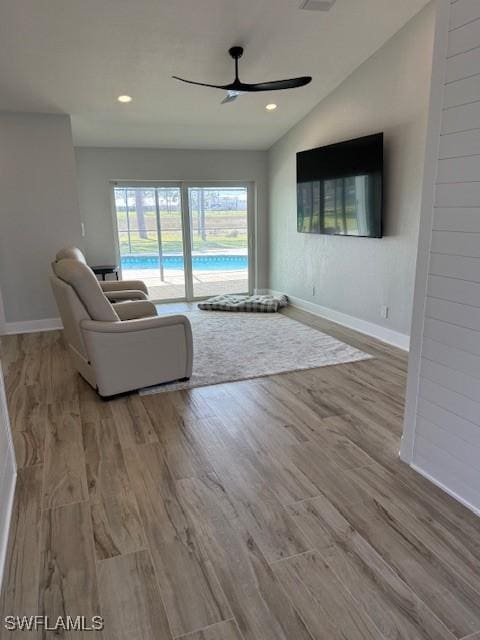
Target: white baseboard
441 486
384 334
31 326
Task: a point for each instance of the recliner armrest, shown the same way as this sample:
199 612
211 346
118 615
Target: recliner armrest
126 294
122 285
140 324
135 309
138 353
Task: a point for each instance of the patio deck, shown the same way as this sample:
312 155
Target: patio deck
205 283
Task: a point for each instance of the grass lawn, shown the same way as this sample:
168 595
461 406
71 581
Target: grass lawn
223 230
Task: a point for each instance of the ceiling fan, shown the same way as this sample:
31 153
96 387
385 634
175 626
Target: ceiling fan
238 88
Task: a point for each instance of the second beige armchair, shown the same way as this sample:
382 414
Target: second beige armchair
114 290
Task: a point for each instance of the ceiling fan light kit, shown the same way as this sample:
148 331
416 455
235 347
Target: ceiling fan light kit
317 5
238 88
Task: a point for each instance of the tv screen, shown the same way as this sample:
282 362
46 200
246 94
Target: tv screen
339 188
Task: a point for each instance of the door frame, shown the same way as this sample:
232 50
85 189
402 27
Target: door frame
184 185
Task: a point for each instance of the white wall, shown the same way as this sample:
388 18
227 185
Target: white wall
355 276
97 167
7 475
39 210
442 423
3 323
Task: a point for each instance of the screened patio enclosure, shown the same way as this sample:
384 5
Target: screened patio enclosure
185 241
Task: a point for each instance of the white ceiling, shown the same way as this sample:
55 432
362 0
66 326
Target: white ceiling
77 56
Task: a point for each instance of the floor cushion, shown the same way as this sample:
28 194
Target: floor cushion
233 302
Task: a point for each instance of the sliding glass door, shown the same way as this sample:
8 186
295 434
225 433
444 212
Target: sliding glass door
185 241
219 240
150 239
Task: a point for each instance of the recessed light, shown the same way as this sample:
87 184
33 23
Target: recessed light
271 107
124 98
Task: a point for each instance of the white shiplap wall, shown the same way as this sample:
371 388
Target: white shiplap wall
7 475
442 425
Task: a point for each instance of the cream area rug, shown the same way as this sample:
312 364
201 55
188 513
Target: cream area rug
238 346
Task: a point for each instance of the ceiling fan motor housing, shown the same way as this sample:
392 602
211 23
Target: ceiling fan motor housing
236 52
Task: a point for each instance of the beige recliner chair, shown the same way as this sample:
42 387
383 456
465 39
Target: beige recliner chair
115 290
118 347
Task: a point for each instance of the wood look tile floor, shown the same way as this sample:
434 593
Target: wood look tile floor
269 509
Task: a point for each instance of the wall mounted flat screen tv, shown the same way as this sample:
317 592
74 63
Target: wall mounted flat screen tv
339 188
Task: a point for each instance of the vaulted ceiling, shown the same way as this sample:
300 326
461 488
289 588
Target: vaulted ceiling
77 56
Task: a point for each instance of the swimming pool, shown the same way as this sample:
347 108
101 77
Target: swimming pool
208 262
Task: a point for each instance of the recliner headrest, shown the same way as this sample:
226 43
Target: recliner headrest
70 253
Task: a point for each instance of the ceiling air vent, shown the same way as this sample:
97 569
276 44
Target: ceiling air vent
317 5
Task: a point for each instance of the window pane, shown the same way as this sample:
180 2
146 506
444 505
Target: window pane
219 237
121 208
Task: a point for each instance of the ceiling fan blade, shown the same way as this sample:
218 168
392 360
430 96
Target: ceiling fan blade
237 87
277 85
203 84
